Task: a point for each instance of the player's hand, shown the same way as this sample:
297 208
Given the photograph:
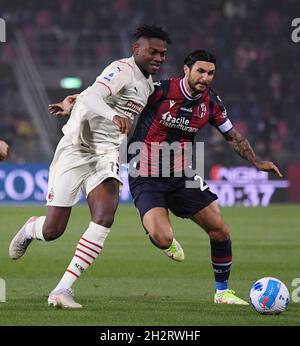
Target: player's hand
63 108
268 166
124 124
3 150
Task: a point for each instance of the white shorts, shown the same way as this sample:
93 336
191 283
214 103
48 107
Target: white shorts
75 170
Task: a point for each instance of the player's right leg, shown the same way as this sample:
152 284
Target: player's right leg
63 192
45 228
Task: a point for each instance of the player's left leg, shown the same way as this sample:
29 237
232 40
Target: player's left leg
157 224
103 202
210 219
149 198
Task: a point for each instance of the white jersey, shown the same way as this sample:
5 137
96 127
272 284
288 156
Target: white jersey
121 89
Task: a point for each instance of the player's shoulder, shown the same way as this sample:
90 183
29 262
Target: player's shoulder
124 64
121 68
214 96
159 83
165 83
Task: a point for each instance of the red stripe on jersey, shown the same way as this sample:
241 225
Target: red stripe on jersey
70 271
106 86
88 241
123 62
89 248
86 253
84 260
222 260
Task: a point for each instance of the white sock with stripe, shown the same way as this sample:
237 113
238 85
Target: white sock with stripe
87 250
34 229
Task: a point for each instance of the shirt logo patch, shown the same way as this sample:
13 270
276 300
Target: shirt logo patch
110 76
189 110
51 195
203 110
172 103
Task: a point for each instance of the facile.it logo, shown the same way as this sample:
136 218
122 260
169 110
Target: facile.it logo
296 32
2 30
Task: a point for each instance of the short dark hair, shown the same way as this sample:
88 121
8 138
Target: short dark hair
151 31
199 55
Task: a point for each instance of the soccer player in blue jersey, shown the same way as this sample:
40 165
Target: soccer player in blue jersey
175 112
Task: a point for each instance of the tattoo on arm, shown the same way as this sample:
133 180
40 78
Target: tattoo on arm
241 145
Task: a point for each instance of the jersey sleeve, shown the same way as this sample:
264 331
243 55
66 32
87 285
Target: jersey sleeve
110 82
219 117
115 77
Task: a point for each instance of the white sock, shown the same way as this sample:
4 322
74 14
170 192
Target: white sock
221 291
87 250
34 230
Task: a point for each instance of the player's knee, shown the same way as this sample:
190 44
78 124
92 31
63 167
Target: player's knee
53 232
225 232
104 220
161 240
222 233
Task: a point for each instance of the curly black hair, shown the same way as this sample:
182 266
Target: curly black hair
151 31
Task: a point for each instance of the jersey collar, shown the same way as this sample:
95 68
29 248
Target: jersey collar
186 93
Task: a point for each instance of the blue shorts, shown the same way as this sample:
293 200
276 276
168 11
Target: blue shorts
169 193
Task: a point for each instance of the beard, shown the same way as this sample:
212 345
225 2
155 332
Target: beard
197 88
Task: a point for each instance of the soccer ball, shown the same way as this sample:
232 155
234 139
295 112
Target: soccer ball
269 296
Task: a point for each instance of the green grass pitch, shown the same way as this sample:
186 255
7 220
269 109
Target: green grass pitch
133 283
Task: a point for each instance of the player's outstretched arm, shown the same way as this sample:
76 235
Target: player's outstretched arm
63 108
3 150
242 146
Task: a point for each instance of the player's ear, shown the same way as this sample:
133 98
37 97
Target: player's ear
136 48
186 69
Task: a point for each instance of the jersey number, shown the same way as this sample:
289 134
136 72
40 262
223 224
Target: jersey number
201 182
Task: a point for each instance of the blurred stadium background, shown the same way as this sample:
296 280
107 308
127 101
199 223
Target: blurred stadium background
56 48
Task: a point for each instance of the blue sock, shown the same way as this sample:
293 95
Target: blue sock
221 285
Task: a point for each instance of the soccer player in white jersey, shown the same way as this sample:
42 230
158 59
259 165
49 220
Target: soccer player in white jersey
3 150
86 158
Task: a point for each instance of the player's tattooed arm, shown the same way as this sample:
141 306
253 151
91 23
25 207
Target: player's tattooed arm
63 108
242 147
